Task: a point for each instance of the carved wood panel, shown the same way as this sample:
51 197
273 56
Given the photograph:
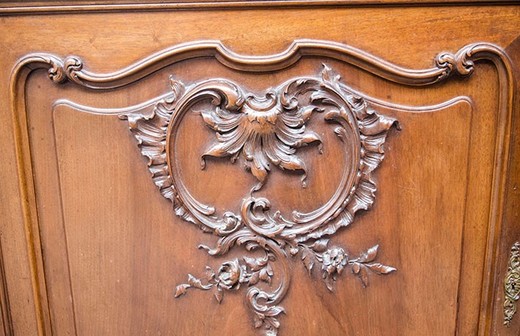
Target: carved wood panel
273 156
263 132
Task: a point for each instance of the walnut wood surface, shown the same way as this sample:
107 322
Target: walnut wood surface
90 247
86 6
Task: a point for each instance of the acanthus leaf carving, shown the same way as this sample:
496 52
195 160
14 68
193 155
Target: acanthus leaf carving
235 232
266 132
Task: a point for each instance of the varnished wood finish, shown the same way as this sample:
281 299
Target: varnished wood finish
89 246
72 7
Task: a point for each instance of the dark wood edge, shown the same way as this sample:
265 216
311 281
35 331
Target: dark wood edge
57 7
448 65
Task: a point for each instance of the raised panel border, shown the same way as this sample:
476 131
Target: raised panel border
448 65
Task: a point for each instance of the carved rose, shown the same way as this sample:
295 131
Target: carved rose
334 260
264 131
230 274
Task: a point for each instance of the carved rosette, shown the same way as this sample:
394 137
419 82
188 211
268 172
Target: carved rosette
512 284
265 133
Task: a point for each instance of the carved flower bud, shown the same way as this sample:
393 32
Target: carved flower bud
229 274
334 260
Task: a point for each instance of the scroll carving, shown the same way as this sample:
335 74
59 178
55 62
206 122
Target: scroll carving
257 226
266 132
512 284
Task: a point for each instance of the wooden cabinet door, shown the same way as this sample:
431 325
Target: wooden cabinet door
259 169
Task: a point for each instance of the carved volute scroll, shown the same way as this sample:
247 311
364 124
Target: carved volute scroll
512 284
265 132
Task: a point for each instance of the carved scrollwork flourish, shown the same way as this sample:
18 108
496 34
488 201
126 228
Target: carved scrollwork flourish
256 226
266 132
512 284
460 63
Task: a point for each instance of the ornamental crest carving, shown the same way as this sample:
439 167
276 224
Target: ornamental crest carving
265 132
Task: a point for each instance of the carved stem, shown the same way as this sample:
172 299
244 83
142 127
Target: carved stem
71 69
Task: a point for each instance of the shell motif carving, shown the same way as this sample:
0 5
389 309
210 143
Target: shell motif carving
266 133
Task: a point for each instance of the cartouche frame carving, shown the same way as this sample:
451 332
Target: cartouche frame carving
306 235
266 132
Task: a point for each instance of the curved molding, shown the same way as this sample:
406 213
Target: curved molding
146 107
447 65
72 68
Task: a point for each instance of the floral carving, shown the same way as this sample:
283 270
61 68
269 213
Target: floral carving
334 260
264 131
230 275
267 131
152 124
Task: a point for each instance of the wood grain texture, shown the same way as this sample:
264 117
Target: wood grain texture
261 133
107 253
87 6
511 216
6 321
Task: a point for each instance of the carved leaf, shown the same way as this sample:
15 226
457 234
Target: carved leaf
255 277
194 282
258 321
369 255
329 282
181 290
380 268
308 138
274 323
219 295
363 275
259 168
321 97
264 276
320 245
300 117
255 264
308 259
329 75
210 274
177 88
292 163
274 311
356 267
220 150
269 270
